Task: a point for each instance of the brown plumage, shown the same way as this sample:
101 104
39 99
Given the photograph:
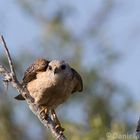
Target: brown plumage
38 66
51 83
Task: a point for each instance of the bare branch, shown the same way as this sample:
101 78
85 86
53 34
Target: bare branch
11 77
8 56
138 130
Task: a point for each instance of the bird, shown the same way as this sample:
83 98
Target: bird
51 83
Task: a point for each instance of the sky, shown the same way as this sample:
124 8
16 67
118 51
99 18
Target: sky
122 28
124 32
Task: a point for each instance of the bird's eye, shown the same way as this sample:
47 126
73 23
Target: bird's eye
63 67
50 67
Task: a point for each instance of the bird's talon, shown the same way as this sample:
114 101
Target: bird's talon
59 128
43 112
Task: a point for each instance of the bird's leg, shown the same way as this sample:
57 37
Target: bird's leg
44 111
56 120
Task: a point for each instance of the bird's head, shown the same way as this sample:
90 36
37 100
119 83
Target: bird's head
59 69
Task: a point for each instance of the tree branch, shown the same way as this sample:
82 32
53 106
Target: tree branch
138 130
12 78
8 56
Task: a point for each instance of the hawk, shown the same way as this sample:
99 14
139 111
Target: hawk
51 83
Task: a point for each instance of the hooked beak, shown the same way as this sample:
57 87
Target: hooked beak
56 70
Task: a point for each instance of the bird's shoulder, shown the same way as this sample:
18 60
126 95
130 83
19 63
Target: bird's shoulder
38 65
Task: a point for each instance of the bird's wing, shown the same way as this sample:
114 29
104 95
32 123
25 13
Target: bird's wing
36 66
30 73
19 97
78 83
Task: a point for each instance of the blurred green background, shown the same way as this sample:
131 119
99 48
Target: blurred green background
100 39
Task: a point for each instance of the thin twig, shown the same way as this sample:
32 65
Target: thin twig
8 56
12 78
138 130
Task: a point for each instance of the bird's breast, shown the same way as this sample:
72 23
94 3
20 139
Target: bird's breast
50 91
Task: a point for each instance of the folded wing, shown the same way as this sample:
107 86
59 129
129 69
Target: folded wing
31 72
78 83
